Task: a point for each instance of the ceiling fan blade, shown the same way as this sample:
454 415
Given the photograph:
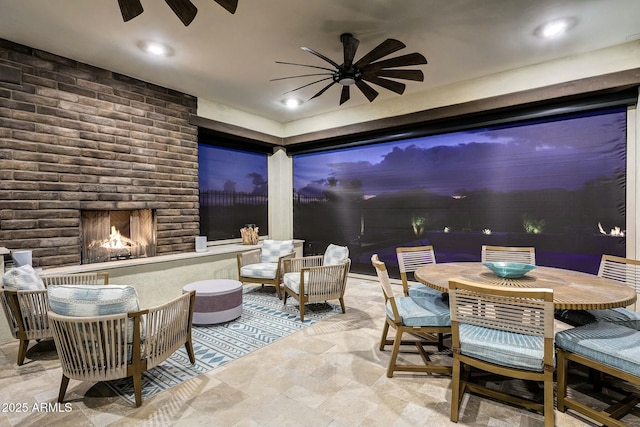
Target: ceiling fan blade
416 75
305 65
319 55
344 96
392 85
324 89
349 47
367 90
308 84
184 9
130 9
385 48
398 61
230 5
302 75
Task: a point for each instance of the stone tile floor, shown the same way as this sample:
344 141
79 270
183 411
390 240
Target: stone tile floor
330 374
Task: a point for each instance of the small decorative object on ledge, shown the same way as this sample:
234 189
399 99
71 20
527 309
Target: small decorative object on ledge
249 234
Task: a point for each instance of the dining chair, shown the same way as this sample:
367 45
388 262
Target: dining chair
609 349
616 268
409 260
521 254
317 278
505 331
423 317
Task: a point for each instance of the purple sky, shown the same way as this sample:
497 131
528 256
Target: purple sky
552 154
231 170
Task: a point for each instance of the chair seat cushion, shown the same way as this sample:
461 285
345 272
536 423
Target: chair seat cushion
422 311
421 290
263 270
23 278
502 348
583 317
292 281
607 343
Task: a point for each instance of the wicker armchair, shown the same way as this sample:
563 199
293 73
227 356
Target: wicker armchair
317 278
26 311
264 265
104 348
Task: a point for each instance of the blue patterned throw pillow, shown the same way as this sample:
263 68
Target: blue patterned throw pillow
274 249
23 278
92 300
335 255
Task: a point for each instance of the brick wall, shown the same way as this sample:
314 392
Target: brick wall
73 136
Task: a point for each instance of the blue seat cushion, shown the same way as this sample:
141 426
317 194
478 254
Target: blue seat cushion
502 348
608 343
583 317
263 270
424 311
421 290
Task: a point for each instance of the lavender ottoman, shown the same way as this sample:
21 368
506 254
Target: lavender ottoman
217 300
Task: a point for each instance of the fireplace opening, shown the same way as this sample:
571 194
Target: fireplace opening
117 235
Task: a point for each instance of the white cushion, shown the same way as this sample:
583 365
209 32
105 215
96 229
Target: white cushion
272 250
92 300
263 270
335 255
23 278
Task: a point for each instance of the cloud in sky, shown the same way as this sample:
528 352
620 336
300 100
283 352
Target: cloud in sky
546 154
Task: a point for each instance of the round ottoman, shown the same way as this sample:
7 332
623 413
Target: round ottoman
217 300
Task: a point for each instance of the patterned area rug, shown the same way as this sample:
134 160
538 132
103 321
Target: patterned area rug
264 320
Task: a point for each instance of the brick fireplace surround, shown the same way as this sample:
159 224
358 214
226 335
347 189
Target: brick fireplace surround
75 137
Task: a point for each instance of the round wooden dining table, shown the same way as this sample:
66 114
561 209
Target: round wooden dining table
572 290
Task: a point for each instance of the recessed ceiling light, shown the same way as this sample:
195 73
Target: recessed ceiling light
292 103
555 28
155 48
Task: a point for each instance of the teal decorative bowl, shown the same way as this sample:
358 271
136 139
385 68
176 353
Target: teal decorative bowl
510 270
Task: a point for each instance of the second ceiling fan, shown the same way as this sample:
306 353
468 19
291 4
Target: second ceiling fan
184 9
365 69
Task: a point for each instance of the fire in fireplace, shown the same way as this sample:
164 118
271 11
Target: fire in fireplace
116 235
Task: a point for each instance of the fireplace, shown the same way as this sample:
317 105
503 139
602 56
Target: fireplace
111 235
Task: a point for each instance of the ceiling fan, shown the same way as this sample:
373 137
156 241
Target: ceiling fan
365 69
184 9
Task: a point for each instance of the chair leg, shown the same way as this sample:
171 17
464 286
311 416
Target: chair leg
455 390
342 305
385 331
394 353
548 400
561 367
278 292
22 351
63 388
137 388
189 347
301 311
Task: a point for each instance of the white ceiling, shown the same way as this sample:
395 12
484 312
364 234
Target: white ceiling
229 59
